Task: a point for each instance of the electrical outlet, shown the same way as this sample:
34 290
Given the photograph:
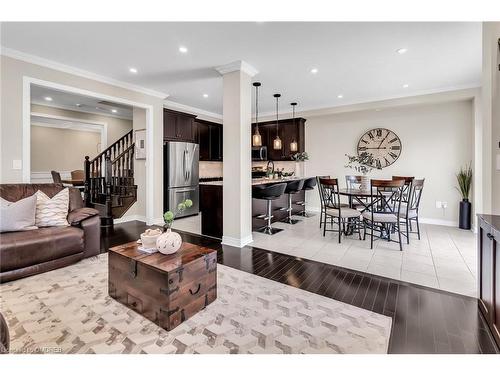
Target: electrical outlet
438 204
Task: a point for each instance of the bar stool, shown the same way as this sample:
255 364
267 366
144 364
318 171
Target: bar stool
309 184
292 187
269 193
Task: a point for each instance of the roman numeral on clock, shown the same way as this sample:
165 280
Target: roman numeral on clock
394 156
393 140
395 147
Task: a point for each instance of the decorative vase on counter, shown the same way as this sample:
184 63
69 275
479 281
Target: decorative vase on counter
299 169
365 183
464 214
168 242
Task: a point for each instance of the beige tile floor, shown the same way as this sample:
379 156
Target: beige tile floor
444 257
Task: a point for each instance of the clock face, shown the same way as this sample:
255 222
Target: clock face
383 144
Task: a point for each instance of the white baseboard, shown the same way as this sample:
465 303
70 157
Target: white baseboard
423 220
237 242
127 218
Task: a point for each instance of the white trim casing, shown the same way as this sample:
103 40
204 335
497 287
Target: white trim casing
236 66
186 108
18 55
237 242
26 167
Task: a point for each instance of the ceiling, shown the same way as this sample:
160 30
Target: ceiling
357 60
79 103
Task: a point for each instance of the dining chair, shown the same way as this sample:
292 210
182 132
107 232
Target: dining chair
385 207
335 211
56 177
354 182
409 211
406 188
320 191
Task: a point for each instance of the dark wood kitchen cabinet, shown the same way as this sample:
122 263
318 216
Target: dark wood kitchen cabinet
209 136
178 126
288 131
488 240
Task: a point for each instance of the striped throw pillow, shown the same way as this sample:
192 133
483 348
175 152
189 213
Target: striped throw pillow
52 212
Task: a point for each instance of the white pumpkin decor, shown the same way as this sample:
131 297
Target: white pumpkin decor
168 242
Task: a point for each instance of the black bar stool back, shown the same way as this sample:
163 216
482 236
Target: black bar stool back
309 184
269 193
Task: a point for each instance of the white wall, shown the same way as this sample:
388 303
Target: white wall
11 143
437 139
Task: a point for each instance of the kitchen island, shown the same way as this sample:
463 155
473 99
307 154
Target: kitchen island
211 205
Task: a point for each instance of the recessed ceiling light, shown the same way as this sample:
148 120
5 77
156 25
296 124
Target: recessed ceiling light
205 95
114 110
402 50
406 85
183 49
132 70
78 104
48 98
314 70
340 96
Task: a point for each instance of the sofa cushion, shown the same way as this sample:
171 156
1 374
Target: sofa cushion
20 215
52 212
23 249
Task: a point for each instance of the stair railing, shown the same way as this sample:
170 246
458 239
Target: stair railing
100 181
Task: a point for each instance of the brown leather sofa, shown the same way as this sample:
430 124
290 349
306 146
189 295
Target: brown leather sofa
32 252
4 336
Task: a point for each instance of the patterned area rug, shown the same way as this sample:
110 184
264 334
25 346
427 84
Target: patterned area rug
69 311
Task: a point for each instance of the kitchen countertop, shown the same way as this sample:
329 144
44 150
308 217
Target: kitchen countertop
258 181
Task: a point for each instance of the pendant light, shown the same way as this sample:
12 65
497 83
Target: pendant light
277 144
294 145
256 137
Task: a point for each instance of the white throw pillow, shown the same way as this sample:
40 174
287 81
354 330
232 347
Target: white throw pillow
17 216
52 212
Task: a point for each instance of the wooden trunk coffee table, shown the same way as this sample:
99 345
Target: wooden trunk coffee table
166 289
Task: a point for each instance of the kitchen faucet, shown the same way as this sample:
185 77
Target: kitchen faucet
267 167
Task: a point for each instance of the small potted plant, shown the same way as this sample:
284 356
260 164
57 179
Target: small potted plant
363 163
169 242
299 158
464 179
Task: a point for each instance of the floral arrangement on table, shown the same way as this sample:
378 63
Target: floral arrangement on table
169 216
300 156
363 163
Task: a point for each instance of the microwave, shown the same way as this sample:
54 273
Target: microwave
259 153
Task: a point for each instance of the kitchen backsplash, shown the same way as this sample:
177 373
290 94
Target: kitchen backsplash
210 169
289 166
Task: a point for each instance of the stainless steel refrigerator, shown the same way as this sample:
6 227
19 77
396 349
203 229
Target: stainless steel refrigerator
181 176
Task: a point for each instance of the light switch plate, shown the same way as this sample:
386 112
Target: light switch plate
17 164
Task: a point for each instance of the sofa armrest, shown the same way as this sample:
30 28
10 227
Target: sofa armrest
4 336
76 216
91 227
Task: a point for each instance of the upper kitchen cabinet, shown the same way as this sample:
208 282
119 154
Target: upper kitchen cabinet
209 136
288 131
178 126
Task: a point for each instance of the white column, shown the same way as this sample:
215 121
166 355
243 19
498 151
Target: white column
237 166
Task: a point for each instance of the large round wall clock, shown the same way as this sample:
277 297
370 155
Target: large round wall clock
383 144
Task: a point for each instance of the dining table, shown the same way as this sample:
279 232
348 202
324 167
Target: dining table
359 197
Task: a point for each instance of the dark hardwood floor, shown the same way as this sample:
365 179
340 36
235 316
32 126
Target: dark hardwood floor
425 320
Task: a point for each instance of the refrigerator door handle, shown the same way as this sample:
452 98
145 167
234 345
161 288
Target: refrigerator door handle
185 190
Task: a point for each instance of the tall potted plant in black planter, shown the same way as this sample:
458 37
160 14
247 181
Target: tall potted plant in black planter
464 178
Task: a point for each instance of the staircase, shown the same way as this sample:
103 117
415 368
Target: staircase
109 180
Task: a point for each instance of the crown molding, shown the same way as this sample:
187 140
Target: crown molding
235 66
192 110
32 59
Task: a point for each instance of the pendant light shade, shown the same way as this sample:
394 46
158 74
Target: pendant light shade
277 144
294 145
256 137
